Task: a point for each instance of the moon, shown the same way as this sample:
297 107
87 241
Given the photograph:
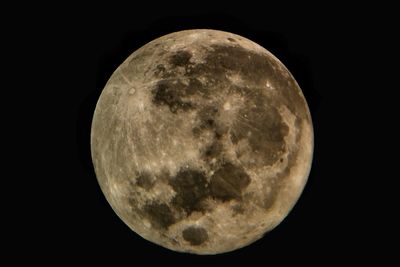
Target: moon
202 141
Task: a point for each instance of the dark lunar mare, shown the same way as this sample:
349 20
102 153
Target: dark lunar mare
260 115
195 235
191 189
159 214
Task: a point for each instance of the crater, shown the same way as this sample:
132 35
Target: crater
195 235
228 182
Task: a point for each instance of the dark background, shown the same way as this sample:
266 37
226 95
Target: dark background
69 52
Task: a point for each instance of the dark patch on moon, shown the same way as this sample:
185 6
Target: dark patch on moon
196 131
238 209
280 178
195 235
207 121
265 131
160 70
254 67
259 121
228 182
191 189
270 198
145 181
213 150
180 58
133 204
231 39
170 94
207 115
194 87
159 214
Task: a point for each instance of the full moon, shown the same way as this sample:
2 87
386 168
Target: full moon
202 141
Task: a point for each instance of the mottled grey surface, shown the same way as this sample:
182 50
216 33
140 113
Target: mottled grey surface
202 141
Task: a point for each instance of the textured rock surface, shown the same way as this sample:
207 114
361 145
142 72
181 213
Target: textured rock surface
202 141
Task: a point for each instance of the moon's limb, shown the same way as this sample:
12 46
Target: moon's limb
202 141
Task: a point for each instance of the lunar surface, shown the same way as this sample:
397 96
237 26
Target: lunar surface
202 141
